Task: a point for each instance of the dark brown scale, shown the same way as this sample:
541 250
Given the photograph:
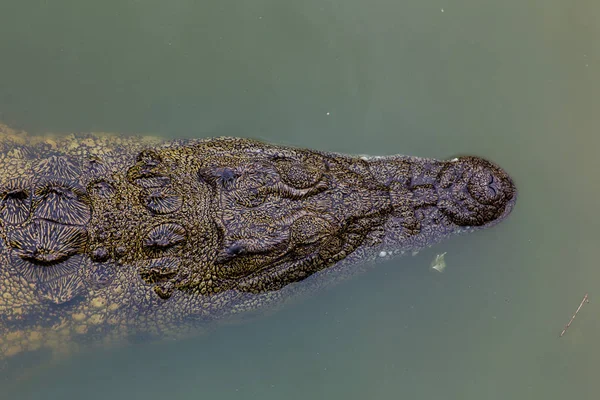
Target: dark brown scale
309 229
58 282
36 272
299 175
164 290
20 152
101 234
100 254
101 188
63 202
120 251
222 178
253 185
159 270
62 289
149 158
101 274
15 201
95 167
424 195
46 242
162 201
164 237
58 166
148 172
164 274
153 182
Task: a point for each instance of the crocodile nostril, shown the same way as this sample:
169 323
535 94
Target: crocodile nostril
484 187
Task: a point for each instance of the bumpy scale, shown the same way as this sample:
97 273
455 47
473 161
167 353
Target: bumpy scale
106 238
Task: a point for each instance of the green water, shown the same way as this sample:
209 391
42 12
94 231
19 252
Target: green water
515 81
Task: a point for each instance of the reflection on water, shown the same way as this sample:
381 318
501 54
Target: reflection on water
514 81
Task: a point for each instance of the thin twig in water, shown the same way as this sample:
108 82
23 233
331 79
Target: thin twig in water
585 300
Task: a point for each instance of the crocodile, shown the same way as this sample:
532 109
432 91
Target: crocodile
108 238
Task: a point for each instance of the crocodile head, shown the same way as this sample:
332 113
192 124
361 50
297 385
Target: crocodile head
105 239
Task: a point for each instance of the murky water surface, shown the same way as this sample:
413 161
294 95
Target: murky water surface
515 81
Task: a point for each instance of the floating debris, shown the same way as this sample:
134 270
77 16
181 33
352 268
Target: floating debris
585 300
439 263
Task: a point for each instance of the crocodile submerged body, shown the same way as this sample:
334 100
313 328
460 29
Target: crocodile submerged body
104 238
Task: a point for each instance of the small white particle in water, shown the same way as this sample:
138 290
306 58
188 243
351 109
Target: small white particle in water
454 160
442 10
439 264
382 254
328 113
